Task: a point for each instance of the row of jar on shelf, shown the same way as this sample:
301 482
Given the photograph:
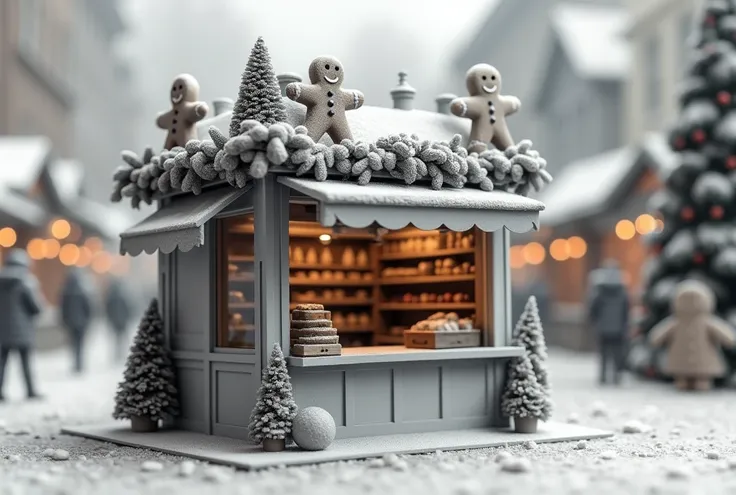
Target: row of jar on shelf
445 266
431 297
425 244
328 295
349 257
333 275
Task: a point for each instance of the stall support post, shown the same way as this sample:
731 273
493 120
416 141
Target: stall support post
501 288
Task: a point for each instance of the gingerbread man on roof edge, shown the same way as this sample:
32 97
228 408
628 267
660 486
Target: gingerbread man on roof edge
186 111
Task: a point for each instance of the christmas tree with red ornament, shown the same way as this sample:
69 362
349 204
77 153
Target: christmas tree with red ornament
698 205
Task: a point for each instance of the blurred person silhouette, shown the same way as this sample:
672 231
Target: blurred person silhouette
20 303
608 314
76 313
118 309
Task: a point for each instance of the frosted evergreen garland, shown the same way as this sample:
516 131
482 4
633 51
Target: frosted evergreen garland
529 334
258 148
259 96
148 388
523 397
275 408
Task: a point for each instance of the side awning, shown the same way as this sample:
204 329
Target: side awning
178 225
394 206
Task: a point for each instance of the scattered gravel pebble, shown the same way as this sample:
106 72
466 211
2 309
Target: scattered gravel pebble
635 426
186 468
82 458
516 465
530 445
48 452
13 458
581 445
599 410
376 463
503 456
608 455
216 475
151 466
713 455
60 455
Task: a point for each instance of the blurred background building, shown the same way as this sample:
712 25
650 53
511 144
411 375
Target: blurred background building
82 79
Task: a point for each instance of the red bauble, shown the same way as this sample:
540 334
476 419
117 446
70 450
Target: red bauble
731 163
687 213
698 258
699 136
723 98
716 212
679 143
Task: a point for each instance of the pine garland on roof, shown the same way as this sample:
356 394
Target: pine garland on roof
258 148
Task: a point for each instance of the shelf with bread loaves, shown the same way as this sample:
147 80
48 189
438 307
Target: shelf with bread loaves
335 270
426 274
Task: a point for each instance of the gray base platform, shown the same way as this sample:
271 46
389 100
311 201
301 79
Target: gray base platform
243 455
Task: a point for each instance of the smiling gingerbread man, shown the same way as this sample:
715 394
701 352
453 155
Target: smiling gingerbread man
185 112
486 107
325 100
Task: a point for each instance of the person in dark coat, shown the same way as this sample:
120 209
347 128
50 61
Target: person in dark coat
20 304
76 313
608 313
118 309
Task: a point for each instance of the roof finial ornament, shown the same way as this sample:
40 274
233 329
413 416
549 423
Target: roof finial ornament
403 94
402 78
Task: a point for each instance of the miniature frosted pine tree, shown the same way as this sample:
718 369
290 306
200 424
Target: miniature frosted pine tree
529 334
275 409
523 397
259 96
148 390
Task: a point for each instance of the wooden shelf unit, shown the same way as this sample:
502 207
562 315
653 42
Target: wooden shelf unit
435 306
427 279
440 253
299 282
343 302
333 267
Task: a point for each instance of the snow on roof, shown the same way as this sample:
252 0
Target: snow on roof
369 123
593 37
18 207
584 186
21 160
67 176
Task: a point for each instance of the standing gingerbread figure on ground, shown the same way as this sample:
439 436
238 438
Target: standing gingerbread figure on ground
693 336
325 100
487 108
185 112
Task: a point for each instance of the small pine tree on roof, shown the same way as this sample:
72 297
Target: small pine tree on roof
259 96
523 396
148 389
275 408
529 334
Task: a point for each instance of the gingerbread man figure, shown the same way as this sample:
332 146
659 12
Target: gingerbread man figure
486 107
185 112
325 100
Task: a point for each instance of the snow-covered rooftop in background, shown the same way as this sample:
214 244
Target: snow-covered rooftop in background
21 160
369 123
583 187
67 176
593 37
19 208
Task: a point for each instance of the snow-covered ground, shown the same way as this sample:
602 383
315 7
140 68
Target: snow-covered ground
666 442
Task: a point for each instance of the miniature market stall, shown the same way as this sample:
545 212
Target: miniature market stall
403 242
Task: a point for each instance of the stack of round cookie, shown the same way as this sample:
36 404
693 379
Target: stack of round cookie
312 333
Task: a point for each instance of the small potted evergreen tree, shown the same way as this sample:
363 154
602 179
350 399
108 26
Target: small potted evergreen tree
275 409
523 399
529 334
147 394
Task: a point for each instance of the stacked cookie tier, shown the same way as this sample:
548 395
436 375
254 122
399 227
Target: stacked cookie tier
312 333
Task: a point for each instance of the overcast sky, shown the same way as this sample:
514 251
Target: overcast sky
374 39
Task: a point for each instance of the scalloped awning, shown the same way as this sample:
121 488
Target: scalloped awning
394 206
179 225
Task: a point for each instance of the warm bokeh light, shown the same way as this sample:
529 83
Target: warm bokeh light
94 244
516 255
51 248
121 265
559 250
36 249
625 230
578 247
660 226
8 237
69 254
534 253
645 224
102 262
61 229
85 257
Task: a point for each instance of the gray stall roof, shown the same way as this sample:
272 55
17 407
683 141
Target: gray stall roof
177 225
395 206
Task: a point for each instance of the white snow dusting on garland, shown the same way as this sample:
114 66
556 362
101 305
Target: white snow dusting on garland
259 148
